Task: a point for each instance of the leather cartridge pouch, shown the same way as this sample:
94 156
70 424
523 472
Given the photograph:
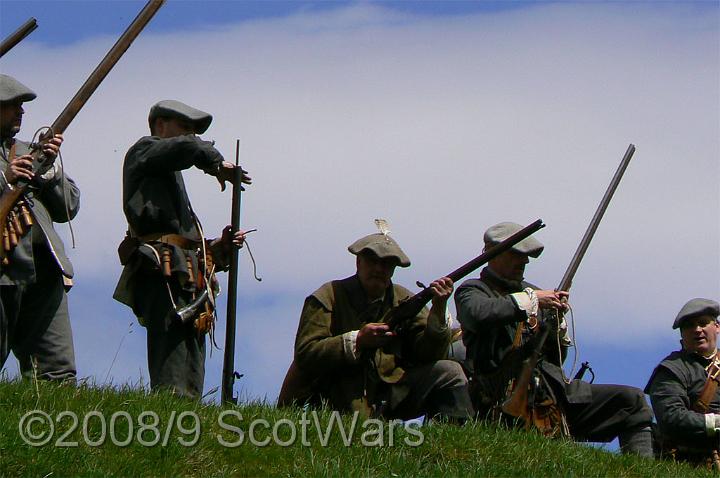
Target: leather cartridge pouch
127 248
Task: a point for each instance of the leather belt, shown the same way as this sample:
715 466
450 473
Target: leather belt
172 239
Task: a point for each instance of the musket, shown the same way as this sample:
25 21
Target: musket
517 404
384 360
229 374
566 281
10 196
17 36
404 311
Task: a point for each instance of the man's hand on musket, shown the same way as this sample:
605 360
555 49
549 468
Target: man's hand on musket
441 289
20 168
227 173
373 335
229 239
51 148
552 299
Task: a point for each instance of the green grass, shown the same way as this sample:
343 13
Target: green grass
446 450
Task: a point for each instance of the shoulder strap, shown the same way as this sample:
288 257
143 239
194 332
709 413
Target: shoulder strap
702 404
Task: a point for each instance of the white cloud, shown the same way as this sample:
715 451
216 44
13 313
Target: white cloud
444 126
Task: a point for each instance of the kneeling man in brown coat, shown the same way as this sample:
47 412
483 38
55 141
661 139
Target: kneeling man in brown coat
341 331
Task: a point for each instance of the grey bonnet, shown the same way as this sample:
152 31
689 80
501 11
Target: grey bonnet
12 90
175 109
382 245
499 232
696 308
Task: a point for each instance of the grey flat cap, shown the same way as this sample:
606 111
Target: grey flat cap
382 245
12 90
175 109
499 232
695 308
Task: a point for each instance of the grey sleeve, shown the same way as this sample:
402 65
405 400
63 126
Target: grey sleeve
671 404
153 155
476 310
61 201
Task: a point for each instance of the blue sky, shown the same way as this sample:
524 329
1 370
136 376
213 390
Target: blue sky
60 25
443 118
62 20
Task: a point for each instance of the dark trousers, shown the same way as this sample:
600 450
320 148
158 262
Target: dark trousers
176 353
614 409
35 324
438 389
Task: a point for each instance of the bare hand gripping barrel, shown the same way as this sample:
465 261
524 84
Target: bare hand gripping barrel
10 196
517 404
17 36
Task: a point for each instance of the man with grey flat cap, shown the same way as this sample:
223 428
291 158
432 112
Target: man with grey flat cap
683 388
169 274
499 314
340 332
35 273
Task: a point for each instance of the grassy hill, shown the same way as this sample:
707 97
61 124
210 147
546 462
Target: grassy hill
176 437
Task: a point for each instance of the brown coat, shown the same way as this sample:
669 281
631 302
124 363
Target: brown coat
323 368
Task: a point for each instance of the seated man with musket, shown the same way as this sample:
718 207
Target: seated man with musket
501 316
341 331
684 391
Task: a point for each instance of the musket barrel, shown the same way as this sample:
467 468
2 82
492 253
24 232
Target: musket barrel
228 373
9 197
567 279
107 63
17 36
491 253
496 250
415 303
516 405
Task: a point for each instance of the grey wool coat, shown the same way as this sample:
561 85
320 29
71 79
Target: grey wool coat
674 387
48 204
155 201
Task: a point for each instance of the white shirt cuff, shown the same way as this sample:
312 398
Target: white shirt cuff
349 340
50 174
4 182
527 301
710 429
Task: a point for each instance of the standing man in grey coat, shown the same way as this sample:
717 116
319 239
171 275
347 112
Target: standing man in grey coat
499 312
34 320
169 265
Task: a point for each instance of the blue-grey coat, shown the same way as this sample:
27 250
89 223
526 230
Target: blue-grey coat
48 204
